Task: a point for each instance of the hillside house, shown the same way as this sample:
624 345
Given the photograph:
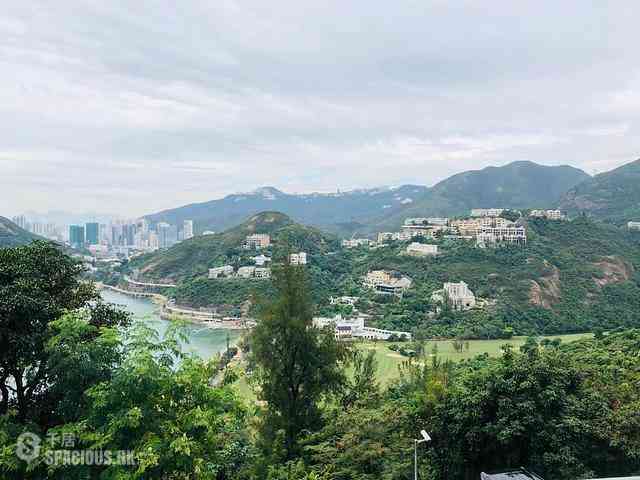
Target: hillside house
422 249
224 271
256 241
457 295
387 283
299 258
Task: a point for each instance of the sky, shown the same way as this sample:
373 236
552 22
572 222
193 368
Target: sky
132 107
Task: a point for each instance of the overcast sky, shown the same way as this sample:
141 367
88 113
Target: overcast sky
134 106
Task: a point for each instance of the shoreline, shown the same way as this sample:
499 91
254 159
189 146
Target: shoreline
171 313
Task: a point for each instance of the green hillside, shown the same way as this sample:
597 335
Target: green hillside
613 195
571 277
11 235
516 185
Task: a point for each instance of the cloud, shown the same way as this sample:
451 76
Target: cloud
137 106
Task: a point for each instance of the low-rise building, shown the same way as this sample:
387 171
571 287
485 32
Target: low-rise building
457 295
299 258
246 272
355 327
490 236
261 260
486 212
633 225
344 300
224 271
387 283
356 242
256 241
261 272
422 249
548 214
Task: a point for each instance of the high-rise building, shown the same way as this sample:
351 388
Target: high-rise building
76 236
21 221
92 233
163 231
187 229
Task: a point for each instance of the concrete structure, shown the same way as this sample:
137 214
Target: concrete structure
187 229
92 233
387 283
423 221
345 328
486 212
261 260
344 300
422 249
224 271
457 295
256 241
633 225
260 272
548 214
246 272
76 236
299 258
356 242
514 234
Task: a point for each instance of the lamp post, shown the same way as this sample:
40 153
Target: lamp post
425 438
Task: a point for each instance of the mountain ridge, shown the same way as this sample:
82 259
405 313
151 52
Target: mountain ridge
363 211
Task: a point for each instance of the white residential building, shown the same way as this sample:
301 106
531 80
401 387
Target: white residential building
387 283
633 225
261 272
260 260
486 212
256 241
422 249
187 229
494 235
549 214
355 328
299 258
344 300
356 242
224 271
246 272
457 295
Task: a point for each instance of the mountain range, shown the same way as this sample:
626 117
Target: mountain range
518 185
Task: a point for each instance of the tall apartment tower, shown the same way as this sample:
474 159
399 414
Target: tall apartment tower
187 229
76 236
92 233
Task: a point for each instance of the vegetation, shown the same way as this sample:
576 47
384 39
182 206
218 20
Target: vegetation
565 411
11 235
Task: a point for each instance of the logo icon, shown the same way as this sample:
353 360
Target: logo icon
28 446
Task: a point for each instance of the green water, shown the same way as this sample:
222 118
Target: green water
204 341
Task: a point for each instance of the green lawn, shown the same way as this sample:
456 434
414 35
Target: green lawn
388 361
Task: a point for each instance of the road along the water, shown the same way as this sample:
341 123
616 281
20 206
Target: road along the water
204 341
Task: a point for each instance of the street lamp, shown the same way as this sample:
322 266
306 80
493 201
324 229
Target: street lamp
425 438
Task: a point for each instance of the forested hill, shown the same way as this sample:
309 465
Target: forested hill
12 235
516 185
193 258
613 195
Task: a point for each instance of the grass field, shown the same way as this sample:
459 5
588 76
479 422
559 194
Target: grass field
388 360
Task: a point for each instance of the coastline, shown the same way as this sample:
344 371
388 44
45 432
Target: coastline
171 312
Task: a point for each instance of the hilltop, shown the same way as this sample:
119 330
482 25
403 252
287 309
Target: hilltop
613 195
11 235
518 185
192 258
515 185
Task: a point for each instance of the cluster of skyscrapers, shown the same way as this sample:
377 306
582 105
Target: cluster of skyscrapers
119 236
139 235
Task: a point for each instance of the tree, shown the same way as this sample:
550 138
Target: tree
38 284
297 363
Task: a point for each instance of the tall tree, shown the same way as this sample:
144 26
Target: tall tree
297 363
38 284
